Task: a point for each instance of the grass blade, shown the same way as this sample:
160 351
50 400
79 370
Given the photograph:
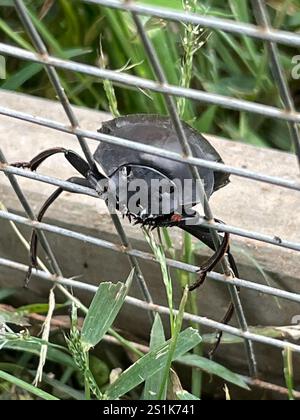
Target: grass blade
22 76
213 368
158 251
65 390
28 387
11 317
173 344
152 363
186 396
289 372
53 354
103 311
152 384
7 292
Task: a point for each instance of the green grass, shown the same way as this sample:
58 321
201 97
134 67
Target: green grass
78 374
226 64
211 61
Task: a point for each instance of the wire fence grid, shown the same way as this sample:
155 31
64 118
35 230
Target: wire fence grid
263 31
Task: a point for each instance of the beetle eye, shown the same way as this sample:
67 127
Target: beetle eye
126 171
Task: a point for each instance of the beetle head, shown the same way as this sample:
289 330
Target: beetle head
143 192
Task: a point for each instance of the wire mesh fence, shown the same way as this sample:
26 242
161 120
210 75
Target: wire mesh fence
264 32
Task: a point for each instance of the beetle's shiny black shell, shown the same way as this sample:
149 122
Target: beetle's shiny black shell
157 131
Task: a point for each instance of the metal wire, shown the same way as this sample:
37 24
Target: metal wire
187 151
241 172
148 257
226 25
123 79
54 79
273 240
158 308
28 210
263 32
262 17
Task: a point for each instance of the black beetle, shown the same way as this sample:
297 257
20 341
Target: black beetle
125 166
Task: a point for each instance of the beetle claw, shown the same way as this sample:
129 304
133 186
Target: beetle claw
200 281
22 165
28 277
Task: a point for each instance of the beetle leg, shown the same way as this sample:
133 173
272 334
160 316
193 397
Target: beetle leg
212 262
40 216
39 159
75 160
204 236
230 311
227 318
